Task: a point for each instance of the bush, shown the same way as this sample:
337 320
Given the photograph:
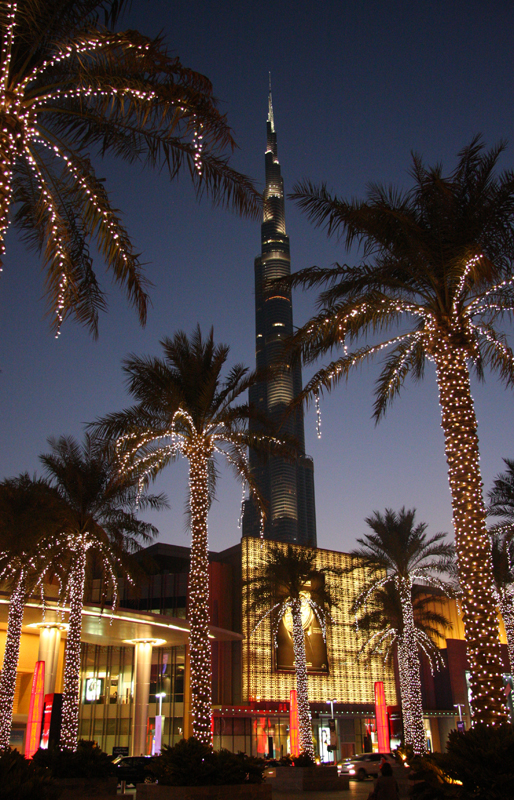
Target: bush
191 763
304 760
88 761
23 780
478 765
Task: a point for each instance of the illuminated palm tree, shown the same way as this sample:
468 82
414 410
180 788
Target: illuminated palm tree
287 583
402 569
69 85
184 407
99 516
501 504
29 527
440 257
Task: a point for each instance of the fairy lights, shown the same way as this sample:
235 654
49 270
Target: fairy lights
78 546
471 538
501 539
215 426
72 78
452 338
318 415
10 662
26 570
283 570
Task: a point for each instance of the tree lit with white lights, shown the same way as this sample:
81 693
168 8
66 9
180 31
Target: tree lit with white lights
29 522
501 505
289 583
439 256
100 517
184 407
69 85
401 569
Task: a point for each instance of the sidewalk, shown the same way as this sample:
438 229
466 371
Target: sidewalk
358 790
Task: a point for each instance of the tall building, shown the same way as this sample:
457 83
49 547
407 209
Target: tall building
287 486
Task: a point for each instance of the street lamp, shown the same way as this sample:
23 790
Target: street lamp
332 727
332 701
460 724
160 695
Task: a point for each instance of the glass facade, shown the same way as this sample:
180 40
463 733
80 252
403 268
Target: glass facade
107 693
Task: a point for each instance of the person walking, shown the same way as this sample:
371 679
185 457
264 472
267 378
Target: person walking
386 787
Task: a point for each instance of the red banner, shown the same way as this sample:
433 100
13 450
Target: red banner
294 727
382 719
35 718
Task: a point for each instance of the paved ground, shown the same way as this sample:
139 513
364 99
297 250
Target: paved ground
359 790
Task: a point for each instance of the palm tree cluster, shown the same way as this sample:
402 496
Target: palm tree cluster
71 83
437 271
394 609
48 530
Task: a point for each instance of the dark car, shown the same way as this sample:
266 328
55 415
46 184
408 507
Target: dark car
135 769
367 764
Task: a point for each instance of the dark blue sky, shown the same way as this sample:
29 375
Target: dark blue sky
356 86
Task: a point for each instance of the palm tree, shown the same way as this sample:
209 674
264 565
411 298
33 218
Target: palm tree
184 407
68 85
501 504
441 257
29 527
501 496
100 515
380 621
287 583
502 554
396 556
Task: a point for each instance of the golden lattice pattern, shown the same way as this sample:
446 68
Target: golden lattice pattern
349 680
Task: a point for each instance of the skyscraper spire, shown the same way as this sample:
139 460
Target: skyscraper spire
270 107
287 486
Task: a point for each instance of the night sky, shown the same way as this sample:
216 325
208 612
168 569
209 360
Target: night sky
357 86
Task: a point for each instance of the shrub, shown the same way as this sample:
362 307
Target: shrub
304 760
21 779
191 763
88 761
478 765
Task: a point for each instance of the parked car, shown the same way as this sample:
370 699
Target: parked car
135 769
366 765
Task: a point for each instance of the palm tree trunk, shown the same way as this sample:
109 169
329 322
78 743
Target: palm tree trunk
10 663
302 691
198 600
507 612
471 539
410 678
70 697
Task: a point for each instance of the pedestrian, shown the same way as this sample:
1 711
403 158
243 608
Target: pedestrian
386 787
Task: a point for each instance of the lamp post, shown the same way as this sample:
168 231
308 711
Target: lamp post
460 724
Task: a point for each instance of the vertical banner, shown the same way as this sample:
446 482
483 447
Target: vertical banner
35 718
294 728
382 719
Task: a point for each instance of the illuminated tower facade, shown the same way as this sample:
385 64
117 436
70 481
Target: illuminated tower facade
287 486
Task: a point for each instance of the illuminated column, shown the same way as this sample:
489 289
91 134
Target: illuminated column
142 669
49 644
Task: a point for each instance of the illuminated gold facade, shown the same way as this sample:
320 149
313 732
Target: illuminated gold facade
348 679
